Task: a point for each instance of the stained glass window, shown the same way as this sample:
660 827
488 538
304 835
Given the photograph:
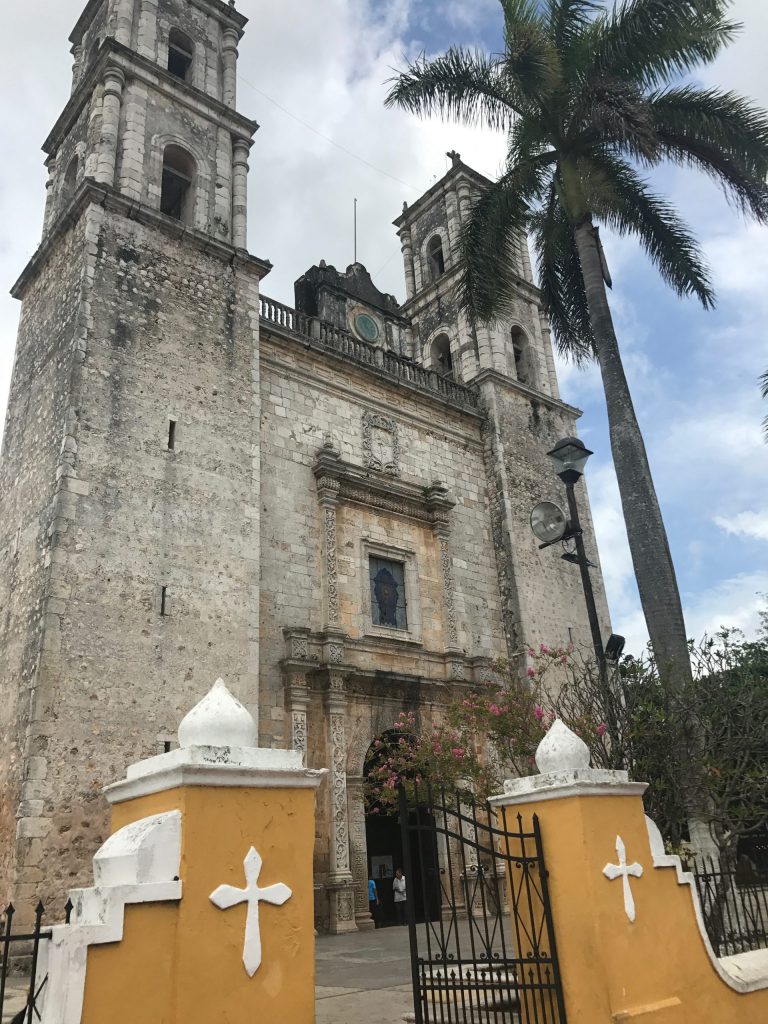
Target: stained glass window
388 604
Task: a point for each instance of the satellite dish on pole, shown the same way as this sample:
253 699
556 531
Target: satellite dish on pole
548 522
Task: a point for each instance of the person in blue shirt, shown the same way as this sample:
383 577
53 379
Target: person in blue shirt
373 901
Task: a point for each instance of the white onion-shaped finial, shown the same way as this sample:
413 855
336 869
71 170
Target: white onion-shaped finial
219 720
561 750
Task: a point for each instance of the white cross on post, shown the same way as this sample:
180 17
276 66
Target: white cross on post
624 871
227 896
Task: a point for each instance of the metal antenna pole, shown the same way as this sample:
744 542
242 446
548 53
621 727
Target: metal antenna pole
355 231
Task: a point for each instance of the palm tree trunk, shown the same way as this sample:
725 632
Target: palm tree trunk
651 557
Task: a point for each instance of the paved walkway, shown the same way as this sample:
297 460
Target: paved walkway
364 977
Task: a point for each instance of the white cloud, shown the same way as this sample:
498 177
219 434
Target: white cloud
735 602
745 524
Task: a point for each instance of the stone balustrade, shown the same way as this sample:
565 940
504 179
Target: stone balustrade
343 343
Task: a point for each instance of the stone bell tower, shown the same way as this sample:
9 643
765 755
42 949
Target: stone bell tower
129 476
519 350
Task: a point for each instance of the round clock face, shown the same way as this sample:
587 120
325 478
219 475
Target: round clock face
366 327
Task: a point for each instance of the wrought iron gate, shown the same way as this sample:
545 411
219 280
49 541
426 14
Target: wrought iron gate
482 939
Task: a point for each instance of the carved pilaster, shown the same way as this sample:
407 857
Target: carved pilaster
341 891
298 702
328 495
440 504
358 849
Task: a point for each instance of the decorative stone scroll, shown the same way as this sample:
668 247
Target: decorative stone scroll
337 710
381 444
328 494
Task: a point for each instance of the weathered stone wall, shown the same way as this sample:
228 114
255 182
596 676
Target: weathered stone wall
32 441
173 335
306 397
541 594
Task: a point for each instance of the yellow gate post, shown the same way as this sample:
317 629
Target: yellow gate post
630 938
203 905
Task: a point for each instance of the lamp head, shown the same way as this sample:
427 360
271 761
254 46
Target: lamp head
570 457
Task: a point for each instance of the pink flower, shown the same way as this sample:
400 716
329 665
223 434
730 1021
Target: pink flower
538 712
602 729
458 753
531 652
531 673
543 648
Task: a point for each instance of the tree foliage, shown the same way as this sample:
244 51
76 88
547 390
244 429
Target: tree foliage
703 743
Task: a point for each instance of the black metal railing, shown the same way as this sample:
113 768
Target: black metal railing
25 946
345 344
734 905
482 936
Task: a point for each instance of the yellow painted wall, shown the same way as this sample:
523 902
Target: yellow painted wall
655 971
183 962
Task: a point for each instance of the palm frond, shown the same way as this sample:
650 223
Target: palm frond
721 134
532 62
648 41
488 248
621 199
741 187
567 20
722 119
764 387
561 282
615 113
462 85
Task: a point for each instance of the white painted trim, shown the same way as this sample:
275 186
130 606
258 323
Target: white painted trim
563 784
149 853
746 972
221 776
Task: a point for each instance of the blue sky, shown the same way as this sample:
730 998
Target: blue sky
313 76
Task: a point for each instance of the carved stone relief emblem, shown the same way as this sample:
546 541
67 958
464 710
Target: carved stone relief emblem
381 445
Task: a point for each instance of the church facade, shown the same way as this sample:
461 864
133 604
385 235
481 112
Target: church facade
326 503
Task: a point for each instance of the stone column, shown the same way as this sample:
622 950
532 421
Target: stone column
229 60
340 882
132 174
77 60
358 848
410 273
114 80
50 195
240 153
465 201
147 42
223 207
124 26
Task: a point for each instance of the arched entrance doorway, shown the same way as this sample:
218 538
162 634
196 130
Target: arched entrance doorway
384 840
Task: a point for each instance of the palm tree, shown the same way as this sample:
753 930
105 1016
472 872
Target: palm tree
764 385
589 97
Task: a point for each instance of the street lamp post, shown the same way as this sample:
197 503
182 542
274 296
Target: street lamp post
570 456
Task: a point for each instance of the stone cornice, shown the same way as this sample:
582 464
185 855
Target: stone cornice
91 193
217 7
383 491
135 66
501 380
317 654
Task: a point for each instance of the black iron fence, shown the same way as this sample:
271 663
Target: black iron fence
24 949
734 905
482 936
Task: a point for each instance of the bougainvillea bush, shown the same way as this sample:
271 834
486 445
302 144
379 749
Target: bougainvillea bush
703 744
